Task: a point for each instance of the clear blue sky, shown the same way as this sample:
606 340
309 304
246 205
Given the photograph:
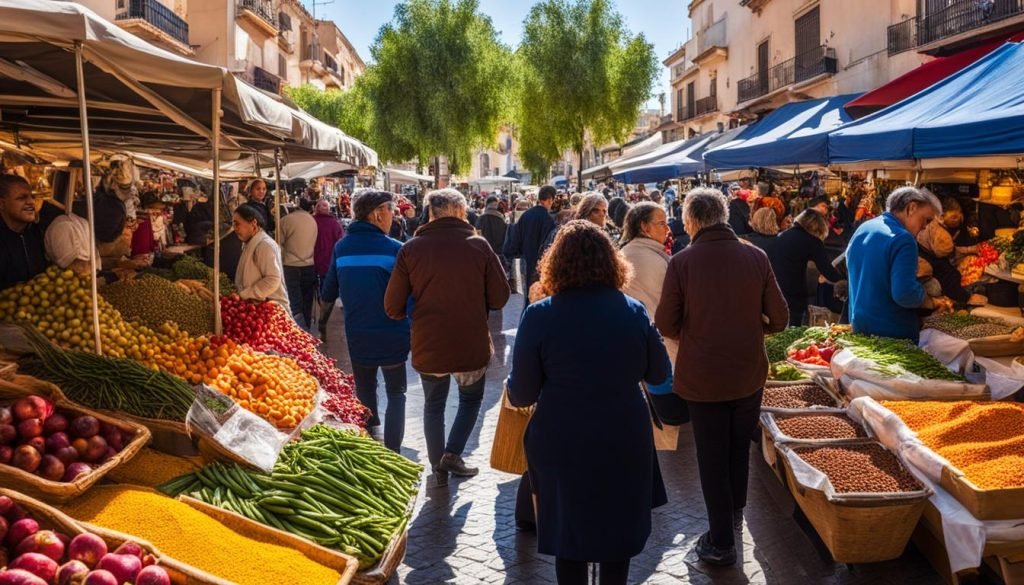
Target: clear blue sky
663 22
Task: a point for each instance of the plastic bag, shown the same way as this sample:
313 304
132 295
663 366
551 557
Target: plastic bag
847 367
220 419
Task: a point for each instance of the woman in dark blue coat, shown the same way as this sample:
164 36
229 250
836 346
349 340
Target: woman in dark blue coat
591 415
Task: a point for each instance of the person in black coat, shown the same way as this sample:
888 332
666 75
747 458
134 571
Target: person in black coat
584 382
617 210
22 254
764 230
793 249
739 211
526 237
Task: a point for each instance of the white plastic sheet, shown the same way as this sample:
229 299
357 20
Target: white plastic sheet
848 367
954 352
965 535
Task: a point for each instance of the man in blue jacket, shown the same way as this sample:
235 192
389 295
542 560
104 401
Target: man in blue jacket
885 295
527 236
360 268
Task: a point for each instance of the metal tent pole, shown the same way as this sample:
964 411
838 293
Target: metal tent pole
277 194
217 199
87 183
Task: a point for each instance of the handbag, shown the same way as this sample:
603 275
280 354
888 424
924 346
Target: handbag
507 451
666 436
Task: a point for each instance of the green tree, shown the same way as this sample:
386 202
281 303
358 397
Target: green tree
438 84
347 110
583 71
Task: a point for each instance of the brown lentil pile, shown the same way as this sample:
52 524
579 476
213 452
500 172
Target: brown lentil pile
820 426
796 396
866 468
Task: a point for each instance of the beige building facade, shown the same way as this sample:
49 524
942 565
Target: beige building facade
749 57
269 43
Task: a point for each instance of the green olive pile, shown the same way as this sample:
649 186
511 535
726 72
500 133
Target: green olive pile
968 326
820 426
192 268
152 301
866 468
796 396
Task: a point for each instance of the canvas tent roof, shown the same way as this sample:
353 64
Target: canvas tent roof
795 134
684 160
977 112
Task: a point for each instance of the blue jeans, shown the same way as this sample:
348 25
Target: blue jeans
301 284
394 386
435 398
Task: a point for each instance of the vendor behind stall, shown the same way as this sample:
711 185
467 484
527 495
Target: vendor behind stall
936 249
67 242
21 242
260 273
885 295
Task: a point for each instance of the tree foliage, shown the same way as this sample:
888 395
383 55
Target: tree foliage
347 110
437 85
581 71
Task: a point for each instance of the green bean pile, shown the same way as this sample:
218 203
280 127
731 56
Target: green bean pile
333 487
777 344
893 357
108 383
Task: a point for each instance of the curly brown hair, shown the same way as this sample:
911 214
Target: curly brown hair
583 255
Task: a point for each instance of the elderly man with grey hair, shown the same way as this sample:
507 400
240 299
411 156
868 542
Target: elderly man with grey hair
719 299
886 298
454 279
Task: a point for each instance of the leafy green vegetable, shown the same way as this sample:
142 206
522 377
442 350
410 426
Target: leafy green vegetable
892 357
777 344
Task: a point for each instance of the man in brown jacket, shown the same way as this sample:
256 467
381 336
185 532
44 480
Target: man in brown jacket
719 299
454 279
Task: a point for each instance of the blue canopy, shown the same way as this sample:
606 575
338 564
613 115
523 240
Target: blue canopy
683 161
978 111
795 134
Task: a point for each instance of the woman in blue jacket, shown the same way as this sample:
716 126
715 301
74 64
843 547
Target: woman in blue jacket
590 408
360 268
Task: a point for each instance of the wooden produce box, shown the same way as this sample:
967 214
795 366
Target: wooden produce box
59 491
999 504
53 519
861 528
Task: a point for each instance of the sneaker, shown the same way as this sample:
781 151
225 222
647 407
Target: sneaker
712 554
453 464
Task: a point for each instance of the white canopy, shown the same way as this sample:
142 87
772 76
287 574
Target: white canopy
494 182
407 177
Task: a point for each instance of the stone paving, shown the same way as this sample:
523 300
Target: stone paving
465 533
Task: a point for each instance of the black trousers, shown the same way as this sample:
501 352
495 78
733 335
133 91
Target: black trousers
722 432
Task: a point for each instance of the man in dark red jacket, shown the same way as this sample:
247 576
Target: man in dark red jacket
720 318
455 280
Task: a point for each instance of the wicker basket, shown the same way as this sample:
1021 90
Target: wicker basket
344 564
858 528
823 383
57 491
8 370
507 451
998 504
53 519
996 346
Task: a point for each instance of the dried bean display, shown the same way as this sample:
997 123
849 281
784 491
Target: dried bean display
820 426
966 326
866 468
984 440
796 396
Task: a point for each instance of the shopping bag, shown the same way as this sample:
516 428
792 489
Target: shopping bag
507 452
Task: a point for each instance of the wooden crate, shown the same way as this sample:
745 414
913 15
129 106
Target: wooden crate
864 529
1000 504
1004 559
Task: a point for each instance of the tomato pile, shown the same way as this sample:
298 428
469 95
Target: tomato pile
815 354
266 327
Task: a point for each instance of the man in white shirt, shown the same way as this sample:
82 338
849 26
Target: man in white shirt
298 240
67 242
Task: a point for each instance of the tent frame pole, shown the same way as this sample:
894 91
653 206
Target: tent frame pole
87 184
217 199
277 194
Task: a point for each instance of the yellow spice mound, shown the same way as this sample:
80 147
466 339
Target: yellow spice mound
151 468
189 536
984 440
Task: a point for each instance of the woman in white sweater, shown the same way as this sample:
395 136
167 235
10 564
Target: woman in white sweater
644 232
260 274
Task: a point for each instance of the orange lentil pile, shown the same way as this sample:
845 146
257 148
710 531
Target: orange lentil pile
984 440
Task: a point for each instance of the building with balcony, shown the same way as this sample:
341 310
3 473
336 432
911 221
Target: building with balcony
161 22
747 58
944 27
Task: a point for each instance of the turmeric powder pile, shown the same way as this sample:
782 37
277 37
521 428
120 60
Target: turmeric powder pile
191 537
984 440
151 468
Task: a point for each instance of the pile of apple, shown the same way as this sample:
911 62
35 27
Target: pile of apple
55 444
44 557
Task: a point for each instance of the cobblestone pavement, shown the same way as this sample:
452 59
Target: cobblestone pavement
465 533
